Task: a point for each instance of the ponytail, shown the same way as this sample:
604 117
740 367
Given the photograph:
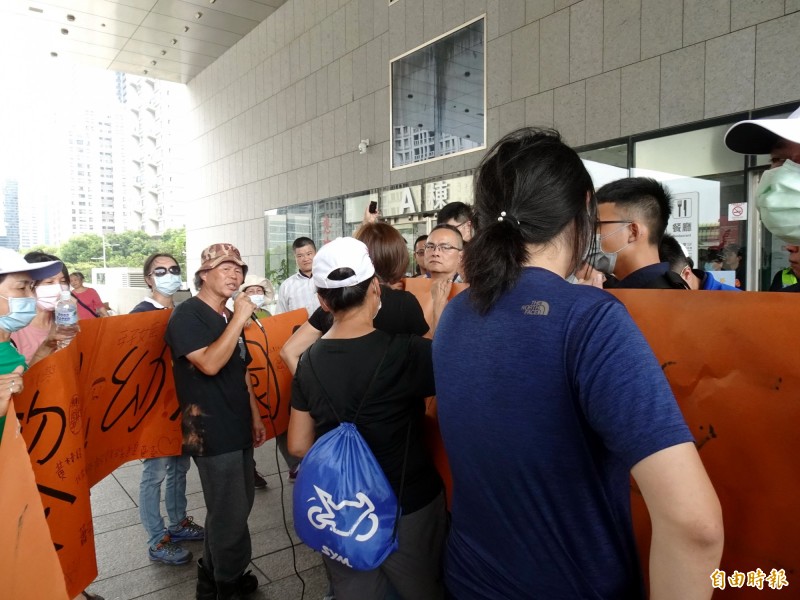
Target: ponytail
529 189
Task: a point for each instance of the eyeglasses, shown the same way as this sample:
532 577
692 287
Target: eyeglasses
440 247
419 252
611 222
161 271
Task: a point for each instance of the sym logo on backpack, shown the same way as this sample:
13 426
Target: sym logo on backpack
321 520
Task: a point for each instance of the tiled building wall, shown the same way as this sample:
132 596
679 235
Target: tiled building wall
277 120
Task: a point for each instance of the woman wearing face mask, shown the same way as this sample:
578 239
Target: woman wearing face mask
17 310
261 293
162 274
38 340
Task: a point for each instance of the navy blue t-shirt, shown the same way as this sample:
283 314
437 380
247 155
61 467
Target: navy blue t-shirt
544 406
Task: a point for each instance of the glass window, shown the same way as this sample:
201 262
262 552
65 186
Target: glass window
329 215
281 227
438 98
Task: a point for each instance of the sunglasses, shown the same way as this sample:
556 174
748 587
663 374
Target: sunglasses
161 271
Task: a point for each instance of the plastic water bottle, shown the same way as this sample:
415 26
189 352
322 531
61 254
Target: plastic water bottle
66 319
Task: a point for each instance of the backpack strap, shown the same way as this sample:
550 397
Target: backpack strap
366 393
408 432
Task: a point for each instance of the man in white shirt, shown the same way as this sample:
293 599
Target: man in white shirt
298 291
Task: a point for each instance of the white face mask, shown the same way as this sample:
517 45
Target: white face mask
47 296
257 299
778 201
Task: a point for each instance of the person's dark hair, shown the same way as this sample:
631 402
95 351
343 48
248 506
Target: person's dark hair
78 274
529 188
646 196
301 242
455 210
421 238
340 299
450 228
198 281
387 249
36 256
148 264
669 250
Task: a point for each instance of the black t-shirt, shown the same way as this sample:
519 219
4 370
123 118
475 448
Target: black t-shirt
216 415
397 397
400 313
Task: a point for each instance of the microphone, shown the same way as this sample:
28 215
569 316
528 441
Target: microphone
252 315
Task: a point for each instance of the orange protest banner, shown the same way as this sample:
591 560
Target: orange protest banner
731 360
28 560
271 378
109 398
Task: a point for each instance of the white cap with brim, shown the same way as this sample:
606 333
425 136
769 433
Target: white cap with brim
13 262
342 253
264 284
759 136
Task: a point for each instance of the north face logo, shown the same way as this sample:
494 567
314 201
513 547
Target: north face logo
536 308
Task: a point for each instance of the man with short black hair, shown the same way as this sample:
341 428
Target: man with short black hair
444 249
458 215
298 291
632 217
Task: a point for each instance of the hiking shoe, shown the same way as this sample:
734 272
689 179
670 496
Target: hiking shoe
169 553
260 482
187 531
293 474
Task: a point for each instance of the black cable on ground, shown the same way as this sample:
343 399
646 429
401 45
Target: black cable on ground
277 462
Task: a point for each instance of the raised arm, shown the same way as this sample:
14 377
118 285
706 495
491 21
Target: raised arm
210 359
687 523
300 341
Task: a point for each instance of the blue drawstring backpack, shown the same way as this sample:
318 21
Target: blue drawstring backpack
344 507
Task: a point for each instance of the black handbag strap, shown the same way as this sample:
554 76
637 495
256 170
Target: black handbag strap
358 411
94 314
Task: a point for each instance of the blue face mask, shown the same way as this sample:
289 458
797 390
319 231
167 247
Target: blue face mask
20 313
168 284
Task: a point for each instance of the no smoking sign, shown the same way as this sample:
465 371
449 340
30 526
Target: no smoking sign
737 211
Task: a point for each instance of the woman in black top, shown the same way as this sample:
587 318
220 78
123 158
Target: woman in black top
343 363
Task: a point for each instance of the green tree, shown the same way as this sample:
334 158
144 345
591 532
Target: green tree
82 249
173 241
129 249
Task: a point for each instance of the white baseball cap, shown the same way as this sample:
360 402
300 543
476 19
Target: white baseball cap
14 262
342 253
758 136
263 283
